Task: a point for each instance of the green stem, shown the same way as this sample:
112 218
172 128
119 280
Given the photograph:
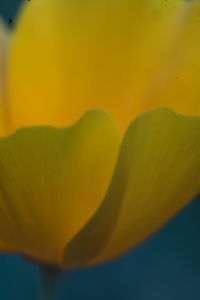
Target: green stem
49 282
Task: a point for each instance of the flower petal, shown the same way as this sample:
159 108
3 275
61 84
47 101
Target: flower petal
51 182
4 50
122 55
157 173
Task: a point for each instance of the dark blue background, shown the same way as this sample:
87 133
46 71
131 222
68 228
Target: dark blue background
166 267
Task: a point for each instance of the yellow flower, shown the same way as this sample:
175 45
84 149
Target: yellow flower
83 194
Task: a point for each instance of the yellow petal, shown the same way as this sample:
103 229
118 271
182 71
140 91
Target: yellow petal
122 55
51 182
4 50
5 248
157 173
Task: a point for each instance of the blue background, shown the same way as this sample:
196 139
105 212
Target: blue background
165 267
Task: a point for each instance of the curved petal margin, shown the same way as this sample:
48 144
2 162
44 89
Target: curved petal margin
157 173
52 180
123 56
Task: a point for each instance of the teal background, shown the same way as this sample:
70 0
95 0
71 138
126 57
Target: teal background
165 267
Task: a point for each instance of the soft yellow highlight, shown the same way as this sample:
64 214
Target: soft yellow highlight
157 173
52 180
66 197
124 56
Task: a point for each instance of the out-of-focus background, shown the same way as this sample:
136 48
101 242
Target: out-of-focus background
166 267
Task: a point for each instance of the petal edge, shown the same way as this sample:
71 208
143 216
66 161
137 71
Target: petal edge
157 173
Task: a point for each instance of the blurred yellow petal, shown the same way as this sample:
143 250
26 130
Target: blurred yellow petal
157 173
5 248
52 180
122 55
4 50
